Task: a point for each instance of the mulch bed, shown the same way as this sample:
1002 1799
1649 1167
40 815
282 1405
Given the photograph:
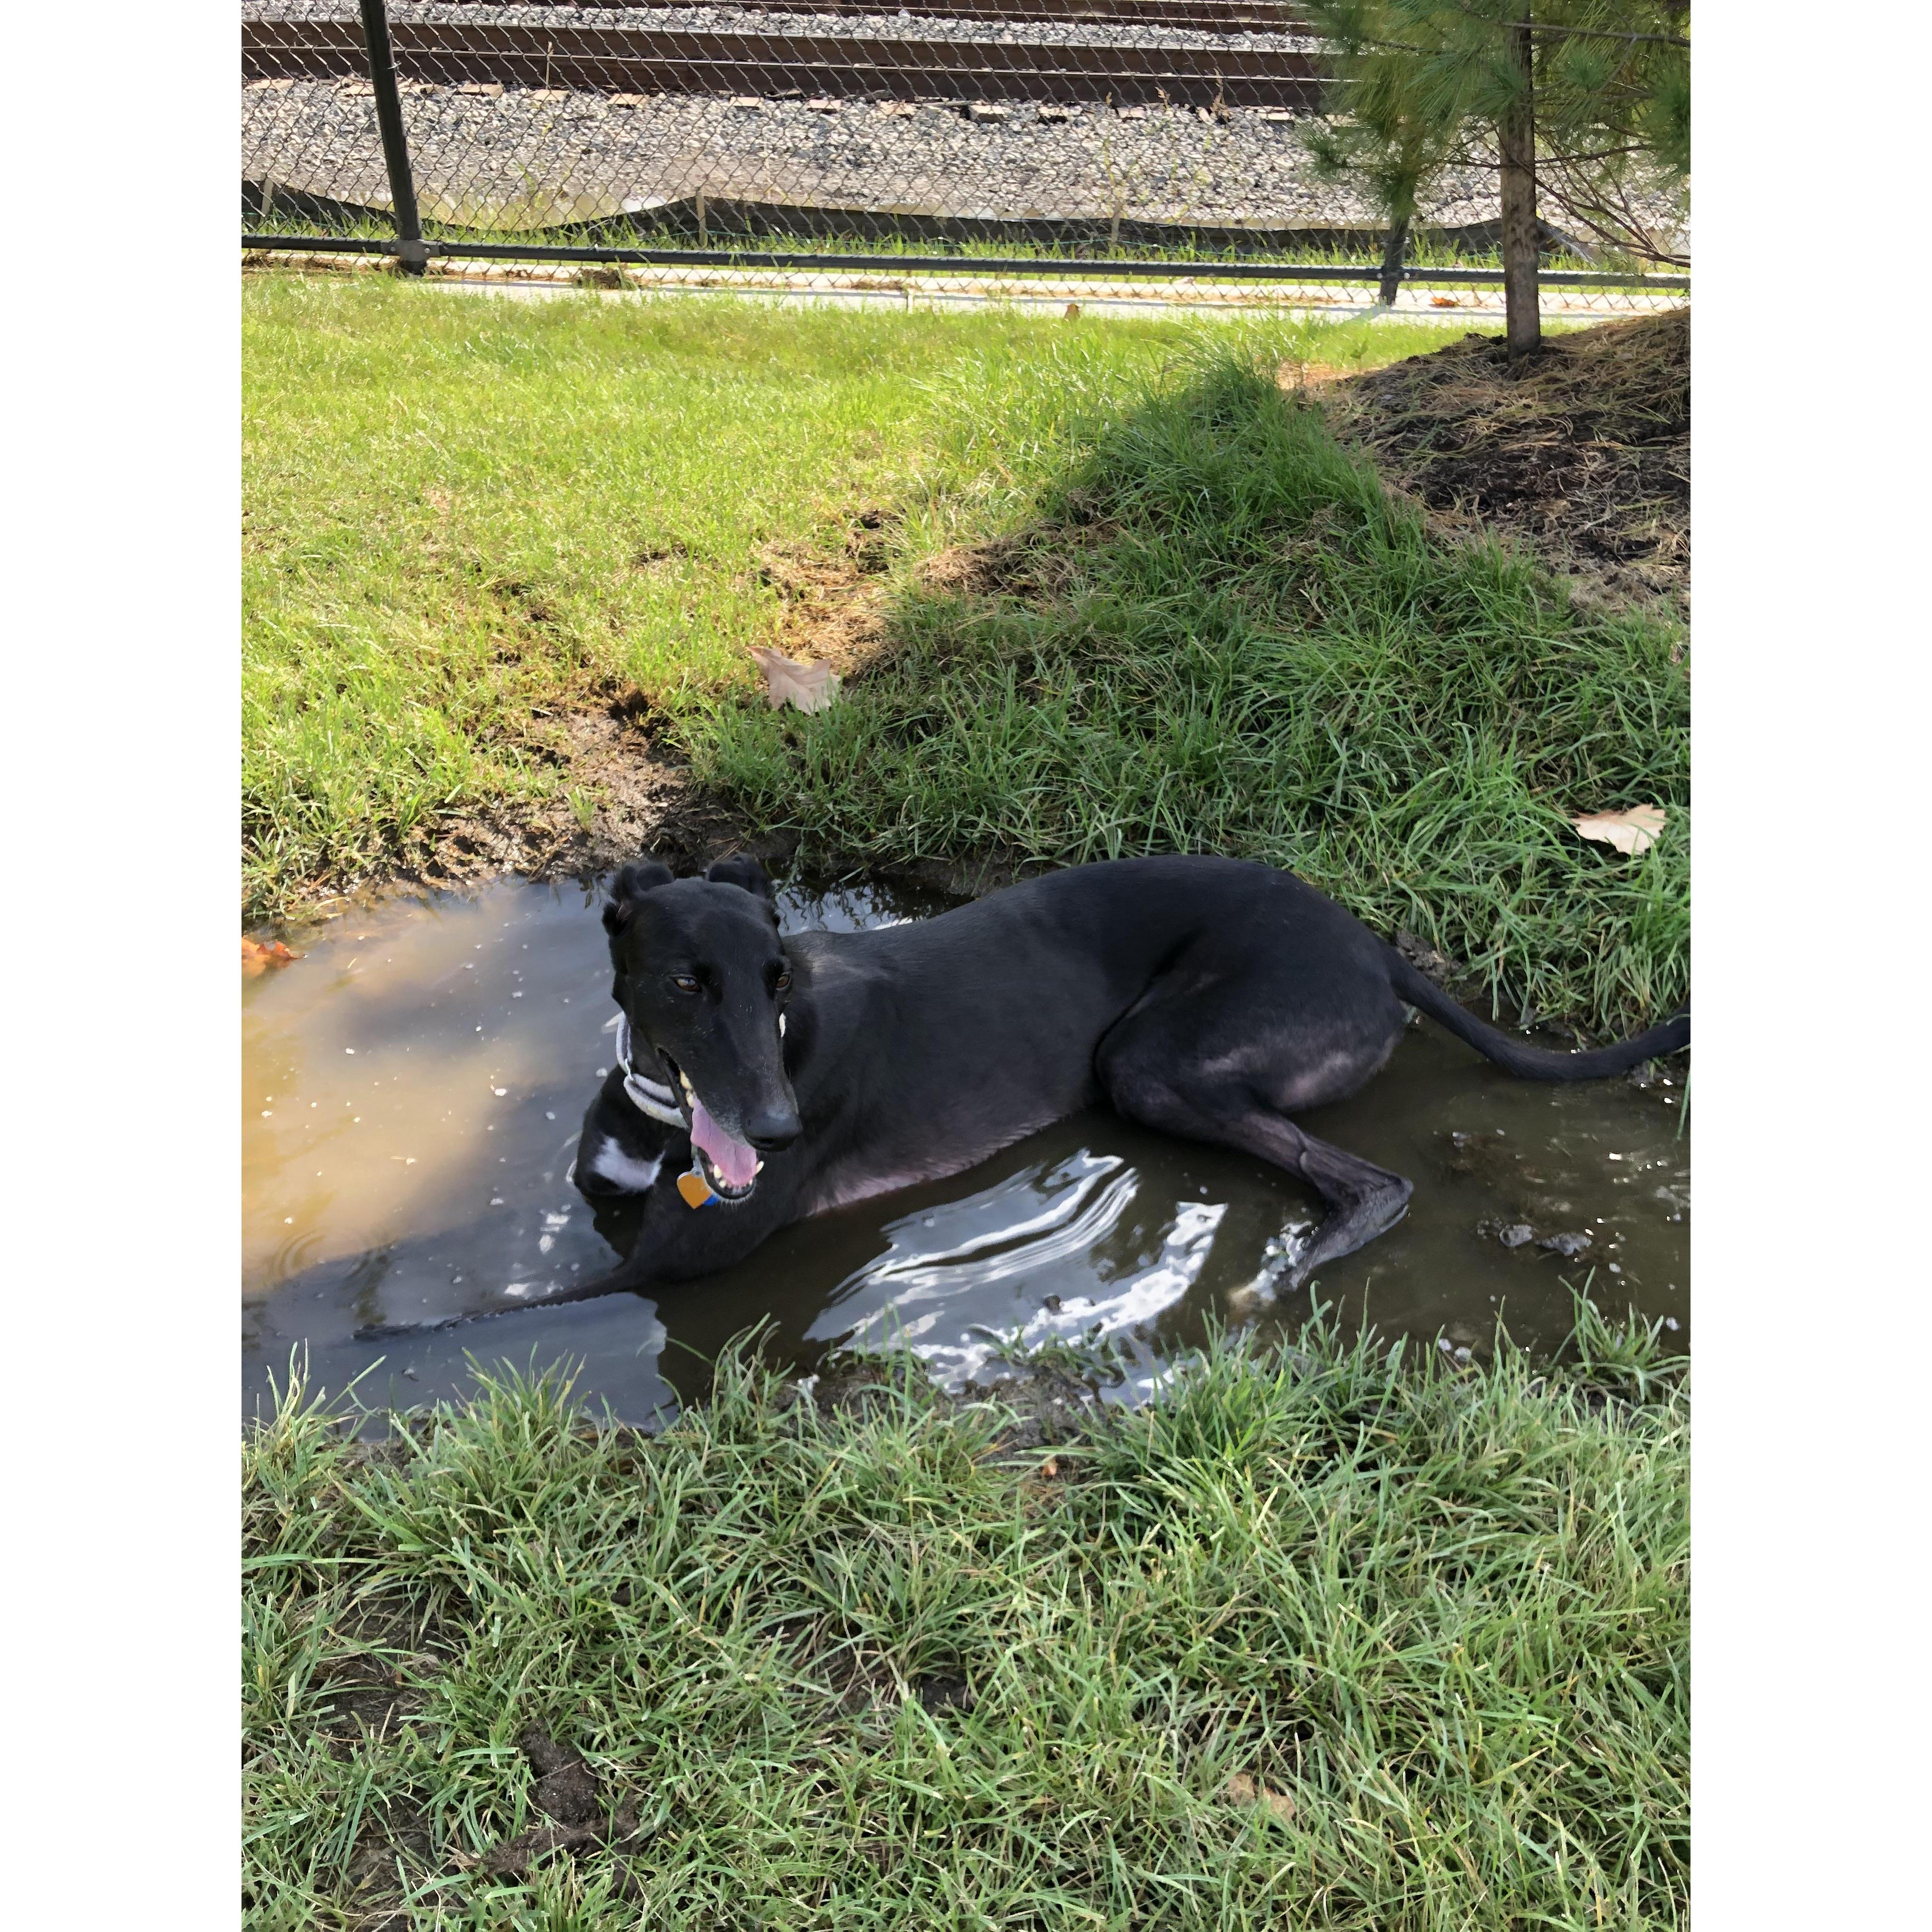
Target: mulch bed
1583 453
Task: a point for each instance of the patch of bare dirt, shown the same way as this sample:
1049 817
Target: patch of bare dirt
1293 375
1040 562
583 1817
966 570
833 602
641 798
1582 453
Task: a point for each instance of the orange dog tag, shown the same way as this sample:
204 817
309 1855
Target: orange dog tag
696 1190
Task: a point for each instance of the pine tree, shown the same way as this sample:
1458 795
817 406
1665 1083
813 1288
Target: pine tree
1584 99
1381 139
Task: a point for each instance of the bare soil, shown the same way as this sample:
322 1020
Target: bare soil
833 610
1582 453
644 801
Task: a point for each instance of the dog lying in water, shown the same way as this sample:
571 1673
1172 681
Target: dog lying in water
763 1078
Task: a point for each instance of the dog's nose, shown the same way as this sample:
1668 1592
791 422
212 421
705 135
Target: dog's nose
775 1128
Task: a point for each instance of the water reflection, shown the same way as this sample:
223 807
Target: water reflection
963 1283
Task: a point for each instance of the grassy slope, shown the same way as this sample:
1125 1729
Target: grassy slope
466 514
463 513
1445 1614
1247 647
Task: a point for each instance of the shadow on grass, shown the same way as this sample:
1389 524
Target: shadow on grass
1217 632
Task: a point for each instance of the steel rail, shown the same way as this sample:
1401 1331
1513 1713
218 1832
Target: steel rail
1273 17
628 60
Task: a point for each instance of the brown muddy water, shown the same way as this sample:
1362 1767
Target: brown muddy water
414 1085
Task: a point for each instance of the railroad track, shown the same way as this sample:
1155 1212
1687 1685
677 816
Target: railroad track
640 61
1217 16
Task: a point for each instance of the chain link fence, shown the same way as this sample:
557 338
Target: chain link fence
1035 150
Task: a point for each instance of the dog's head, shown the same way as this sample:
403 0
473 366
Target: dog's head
701 974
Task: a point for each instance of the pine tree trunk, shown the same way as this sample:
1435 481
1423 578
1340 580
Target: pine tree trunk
1394 250
1516 139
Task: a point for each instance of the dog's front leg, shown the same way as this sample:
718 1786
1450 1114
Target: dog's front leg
621 1151
626 1278
676 1242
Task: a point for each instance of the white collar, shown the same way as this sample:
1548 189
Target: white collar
646 1096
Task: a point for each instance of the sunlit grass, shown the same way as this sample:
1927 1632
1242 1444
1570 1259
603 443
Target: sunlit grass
464 514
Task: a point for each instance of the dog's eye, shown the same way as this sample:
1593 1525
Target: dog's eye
684 982
781 982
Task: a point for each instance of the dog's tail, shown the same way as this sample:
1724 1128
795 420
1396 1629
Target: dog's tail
1533 1062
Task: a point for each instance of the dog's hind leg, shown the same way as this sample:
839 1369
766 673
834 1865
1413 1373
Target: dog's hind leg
1182 1079
1363 1200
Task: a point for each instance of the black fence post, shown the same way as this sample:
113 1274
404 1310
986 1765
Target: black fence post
412 252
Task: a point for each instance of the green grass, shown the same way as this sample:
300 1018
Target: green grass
469 518
1444 1614
1182 248
1246 647
462 514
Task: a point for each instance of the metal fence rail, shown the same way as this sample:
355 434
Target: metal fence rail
1134 141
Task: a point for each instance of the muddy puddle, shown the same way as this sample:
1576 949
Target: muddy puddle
414 1085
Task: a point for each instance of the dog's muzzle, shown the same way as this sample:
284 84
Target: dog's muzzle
704 1186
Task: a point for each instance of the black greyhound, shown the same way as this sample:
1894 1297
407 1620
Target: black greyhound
763 1078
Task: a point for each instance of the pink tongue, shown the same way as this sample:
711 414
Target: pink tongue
737 1164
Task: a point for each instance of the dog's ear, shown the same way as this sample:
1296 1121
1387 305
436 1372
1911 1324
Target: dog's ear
632 882
744 870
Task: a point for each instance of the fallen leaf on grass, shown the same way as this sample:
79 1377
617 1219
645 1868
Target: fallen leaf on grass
1633 831
811 687
1243 1790
258 956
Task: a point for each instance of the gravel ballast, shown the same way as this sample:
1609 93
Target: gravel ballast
884 25
527 159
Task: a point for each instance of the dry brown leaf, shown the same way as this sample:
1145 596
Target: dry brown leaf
1445 301
811 687
258 956
1633 830
1243 1790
